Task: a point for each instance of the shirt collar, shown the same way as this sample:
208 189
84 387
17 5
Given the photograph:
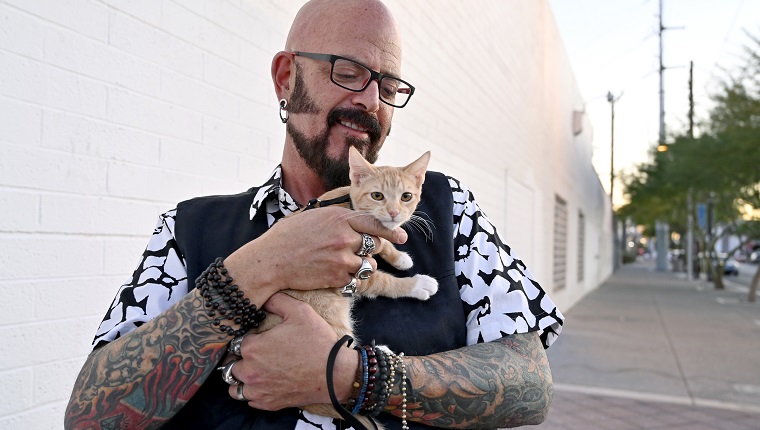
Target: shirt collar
273 187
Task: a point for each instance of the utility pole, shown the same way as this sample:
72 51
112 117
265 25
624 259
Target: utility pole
662 144
691 99
709 246
661 141
689 204
663 238
660 227
689 238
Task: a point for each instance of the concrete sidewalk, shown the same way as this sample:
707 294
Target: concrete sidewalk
650 350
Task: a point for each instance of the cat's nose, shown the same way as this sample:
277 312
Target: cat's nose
393 214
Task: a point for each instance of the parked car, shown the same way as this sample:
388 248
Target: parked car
731 267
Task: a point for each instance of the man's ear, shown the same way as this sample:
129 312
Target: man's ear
282 64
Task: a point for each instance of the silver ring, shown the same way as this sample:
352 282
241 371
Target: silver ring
234 346
365 271
368 245
240 395
349 289
227 372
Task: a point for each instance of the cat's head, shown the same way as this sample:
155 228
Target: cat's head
390 194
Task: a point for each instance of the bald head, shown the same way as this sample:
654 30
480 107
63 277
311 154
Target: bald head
345 27
326 118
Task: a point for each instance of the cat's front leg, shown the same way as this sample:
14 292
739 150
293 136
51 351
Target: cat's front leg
420 287
424 287
398 259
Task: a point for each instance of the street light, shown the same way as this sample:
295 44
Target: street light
612 99
617 254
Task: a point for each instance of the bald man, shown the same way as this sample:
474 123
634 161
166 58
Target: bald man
474 353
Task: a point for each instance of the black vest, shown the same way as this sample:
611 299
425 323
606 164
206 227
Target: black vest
405 325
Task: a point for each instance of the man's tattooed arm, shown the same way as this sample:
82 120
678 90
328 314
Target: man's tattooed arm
143 378
504 383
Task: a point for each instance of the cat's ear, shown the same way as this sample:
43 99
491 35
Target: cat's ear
359 167
418 168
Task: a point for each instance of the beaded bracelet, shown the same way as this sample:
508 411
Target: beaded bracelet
397 362
369 403
365 379
379 397
356 386
364 382
375 378
220 295
400 362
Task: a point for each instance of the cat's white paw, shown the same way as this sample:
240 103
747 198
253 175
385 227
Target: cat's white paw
424 287
384 349
403 262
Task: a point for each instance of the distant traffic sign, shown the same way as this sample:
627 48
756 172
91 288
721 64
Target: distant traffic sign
702 216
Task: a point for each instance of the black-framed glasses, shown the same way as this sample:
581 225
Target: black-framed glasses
354 76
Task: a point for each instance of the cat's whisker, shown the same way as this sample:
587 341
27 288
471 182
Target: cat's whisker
423 230
354 214
341 218
423 218
424 226
346 216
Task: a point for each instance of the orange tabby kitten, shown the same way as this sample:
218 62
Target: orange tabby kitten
391 195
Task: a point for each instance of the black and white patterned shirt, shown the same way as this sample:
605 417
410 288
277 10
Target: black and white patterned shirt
493 282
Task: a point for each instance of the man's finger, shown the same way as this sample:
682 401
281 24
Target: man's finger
370 225
281 304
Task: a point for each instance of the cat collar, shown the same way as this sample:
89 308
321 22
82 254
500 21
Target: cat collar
316 203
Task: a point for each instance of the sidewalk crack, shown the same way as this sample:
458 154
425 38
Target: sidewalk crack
673 351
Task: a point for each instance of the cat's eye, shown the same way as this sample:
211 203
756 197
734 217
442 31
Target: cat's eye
406 197
377 195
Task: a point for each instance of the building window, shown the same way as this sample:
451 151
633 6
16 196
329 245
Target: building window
581 244
560 243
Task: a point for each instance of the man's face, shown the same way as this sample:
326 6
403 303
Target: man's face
326 119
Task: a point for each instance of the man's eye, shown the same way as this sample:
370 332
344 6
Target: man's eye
345 76
346 72
389 90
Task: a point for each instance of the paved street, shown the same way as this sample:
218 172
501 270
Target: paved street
744 278
650 350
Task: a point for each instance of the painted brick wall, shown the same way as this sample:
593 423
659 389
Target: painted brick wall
111 111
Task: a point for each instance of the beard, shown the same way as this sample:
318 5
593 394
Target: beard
333 172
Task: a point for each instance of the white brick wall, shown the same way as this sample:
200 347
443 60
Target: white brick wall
110 111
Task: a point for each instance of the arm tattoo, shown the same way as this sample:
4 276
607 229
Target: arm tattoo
143 378
505 383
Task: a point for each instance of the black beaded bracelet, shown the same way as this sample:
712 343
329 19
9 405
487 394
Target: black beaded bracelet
380 394
223 297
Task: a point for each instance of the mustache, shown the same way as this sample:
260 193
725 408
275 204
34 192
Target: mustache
359 117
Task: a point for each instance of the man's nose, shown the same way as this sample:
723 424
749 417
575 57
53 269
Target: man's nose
369 98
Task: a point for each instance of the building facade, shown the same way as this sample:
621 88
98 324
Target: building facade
112 111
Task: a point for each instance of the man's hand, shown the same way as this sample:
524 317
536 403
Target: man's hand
286 365
311 250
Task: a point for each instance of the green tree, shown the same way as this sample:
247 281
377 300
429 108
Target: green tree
735 119
722 164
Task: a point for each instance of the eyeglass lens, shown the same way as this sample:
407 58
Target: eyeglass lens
355 77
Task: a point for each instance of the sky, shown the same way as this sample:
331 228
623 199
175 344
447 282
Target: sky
613 46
